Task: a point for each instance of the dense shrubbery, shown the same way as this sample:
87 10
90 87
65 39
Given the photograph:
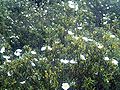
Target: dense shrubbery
73 45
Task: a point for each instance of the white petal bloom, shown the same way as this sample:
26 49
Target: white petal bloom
85 39
105 18
49 48
112 36
73 61
17 53
71 4
8 73
2 50
90 40
12 36
84 10
23 82
64 61
106 58
70 33
96 73
27 15
33 52
82 57
43 48
65 86
105 22
36 59
114 61
33 64
6 57
18 50
79 28
45 11
100 46
8 61
107 81
76 7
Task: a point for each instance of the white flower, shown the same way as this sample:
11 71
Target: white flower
76 6
114 61
23 82
49 48
17 53
73 5
12 36
6 57
106 58
33 64
70 33
36 59
79 28
8 61
64 61
105 18
2 50
104 14
85 39
43 48
100 46
72 62
108 7
112 36
33 52
84 2
82 57
90 40
8 73
84 10
18 50
65 86
46 47
105 22
17 37
27 15
96 73
45 11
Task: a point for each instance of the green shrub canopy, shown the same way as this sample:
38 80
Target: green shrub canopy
59 44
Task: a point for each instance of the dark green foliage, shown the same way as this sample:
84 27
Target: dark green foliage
56 43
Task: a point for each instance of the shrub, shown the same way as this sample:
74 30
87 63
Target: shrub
59 44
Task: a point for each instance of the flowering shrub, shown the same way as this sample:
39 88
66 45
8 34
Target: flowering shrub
63 45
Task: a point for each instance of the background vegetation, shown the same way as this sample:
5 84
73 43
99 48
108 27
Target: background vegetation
44 44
